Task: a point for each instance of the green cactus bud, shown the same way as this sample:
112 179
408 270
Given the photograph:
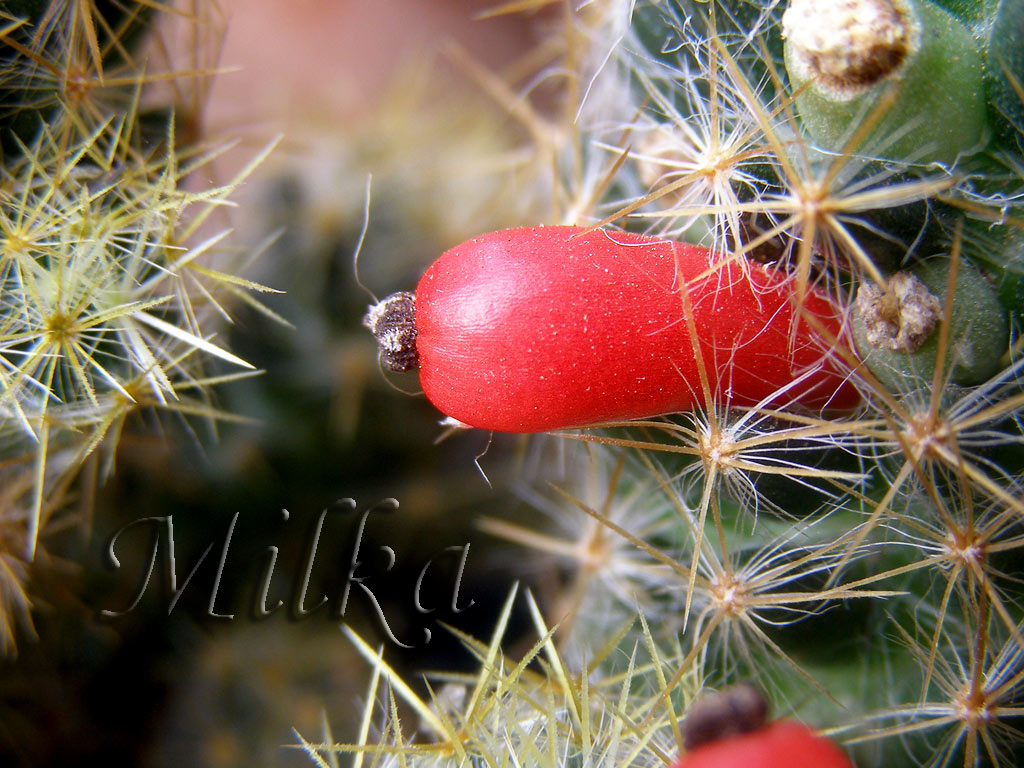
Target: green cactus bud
844 57
897 330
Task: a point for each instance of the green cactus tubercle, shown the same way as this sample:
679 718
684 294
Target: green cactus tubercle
844 59
897 330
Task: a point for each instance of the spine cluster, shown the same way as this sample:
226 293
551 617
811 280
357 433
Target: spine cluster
114 274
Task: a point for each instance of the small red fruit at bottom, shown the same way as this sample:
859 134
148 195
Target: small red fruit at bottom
781 744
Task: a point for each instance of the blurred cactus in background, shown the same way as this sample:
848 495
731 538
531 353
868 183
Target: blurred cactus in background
112 289
861 569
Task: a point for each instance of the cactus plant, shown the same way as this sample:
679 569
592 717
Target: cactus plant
861 568
112 268
876 595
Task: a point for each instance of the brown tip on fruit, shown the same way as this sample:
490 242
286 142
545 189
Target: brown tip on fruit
392 321
902 317
846 46
734 711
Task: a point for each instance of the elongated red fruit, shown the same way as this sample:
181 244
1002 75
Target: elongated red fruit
780 744
528 330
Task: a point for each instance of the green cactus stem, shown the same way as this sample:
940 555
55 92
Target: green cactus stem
1009 266
998 26
1004 73
844 58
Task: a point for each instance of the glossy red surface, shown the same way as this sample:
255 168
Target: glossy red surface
534 329
782 744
